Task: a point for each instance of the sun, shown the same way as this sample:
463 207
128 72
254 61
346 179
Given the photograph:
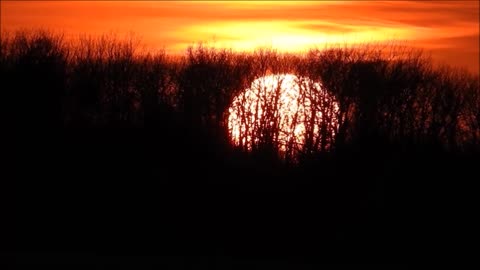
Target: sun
285 112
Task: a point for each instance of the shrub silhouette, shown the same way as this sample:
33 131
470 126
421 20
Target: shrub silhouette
34 67
134 136
390 98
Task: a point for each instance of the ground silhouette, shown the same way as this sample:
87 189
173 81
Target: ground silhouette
119 152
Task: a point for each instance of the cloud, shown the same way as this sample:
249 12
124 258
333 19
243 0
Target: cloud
325 27
449 25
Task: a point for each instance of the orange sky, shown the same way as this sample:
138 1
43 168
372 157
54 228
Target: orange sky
448 29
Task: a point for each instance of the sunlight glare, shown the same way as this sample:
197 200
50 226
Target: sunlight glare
285 110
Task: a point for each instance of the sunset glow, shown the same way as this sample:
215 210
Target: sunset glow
449 30
282 109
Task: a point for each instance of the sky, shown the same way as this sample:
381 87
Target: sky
448 30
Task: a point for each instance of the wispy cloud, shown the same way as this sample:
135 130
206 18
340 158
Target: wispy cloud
445 27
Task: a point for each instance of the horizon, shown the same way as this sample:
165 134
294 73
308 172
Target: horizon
447 30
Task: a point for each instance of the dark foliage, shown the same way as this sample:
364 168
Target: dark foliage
127 152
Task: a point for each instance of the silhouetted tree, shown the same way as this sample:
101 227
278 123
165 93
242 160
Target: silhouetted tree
388 96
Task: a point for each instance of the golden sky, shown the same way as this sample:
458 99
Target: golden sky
447 29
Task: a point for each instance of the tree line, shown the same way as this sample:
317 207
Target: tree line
389 96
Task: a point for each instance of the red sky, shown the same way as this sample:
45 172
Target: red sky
447 29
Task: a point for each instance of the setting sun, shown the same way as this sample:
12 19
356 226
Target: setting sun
286 112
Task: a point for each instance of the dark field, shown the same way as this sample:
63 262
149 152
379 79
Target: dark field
123 157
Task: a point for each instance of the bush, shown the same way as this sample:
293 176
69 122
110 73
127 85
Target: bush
389 96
